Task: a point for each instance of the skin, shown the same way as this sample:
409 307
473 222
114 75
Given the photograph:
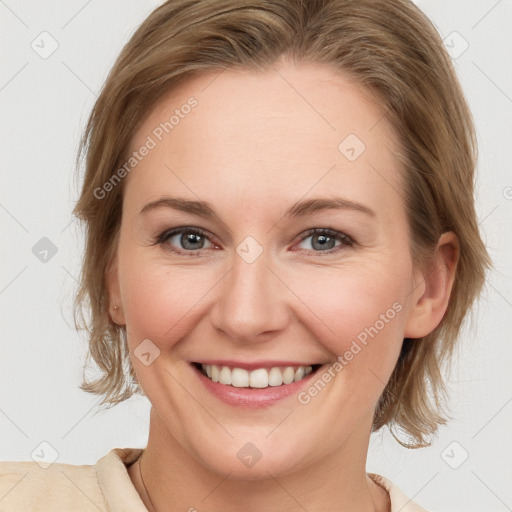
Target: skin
256 143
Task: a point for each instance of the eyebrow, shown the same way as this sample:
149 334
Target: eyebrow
299 209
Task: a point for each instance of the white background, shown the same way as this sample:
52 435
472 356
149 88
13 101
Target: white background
44 105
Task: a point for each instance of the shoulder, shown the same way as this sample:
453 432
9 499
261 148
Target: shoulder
399 501
27 486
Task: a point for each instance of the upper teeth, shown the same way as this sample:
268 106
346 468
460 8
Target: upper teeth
260 378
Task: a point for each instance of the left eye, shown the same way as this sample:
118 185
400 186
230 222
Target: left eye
323 240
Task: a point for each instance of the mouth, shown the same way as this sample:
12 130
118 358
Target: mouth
256 378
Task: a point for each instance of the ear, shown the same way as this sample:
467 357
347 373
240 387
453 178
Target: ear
432 288
114 294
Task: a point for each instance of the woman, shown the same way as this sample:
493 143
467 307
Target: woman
281 248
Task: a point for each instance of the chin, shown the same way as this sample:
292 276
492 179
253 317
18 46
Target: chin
251 462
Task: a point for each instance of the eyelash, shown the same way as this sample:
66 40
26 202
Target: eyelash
346 240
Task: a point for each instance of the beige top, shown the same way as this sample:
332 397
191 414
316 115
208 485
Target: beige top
104 486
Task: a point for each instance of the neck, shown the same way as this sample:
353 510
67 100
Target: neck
173 480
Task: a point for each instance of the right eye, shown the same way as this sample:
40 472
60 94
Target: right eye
188 239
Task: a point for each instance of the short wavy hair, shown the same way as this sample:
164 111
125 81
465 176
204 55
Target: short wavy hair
388 46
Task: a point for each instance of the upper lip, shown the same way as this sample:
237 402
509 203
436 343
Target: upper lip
256 364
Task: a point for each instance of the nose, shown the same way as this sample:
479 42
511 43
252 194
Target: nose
251 304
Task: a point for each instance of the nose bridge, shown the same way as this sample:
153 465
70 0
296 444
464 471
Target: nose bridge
251 302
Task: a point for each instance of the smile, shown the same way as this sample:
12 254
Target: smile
257 378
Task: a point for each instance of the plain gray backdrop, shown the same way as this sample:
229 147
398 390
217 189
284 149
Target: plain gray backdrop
55 57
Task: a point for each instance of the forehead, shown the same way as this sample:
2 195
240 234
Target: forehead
247 135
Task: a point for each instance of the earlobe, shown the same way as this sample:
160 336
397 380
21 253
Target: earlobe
115 309
116 314
431 300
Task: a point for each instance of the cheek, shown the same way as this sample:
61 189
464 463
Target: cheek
359 317
352 305
159 301
345 308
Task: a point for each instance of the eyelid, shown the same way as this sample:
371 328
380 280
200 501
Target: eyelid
168 233
347 240
328 231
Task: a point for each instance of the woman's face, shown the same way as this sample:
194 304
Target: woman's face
248 167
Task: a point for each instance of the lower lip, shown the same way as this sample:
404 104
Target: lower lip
252 398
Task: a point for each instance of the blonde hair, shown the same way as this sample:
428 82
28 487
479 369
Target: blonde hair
389 47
